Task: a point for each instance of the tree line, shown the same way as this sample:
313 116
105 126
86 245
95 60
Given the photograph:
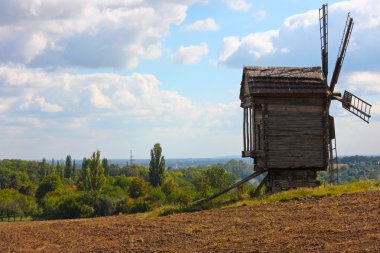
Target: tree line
42 190
356 168
57 190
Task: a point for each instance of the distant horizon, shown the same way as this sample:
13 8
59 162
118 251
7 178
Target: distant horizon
166 158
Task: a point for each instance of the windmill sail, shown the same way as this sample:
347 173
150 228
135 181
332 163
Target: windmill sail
357 106
323 30
342 52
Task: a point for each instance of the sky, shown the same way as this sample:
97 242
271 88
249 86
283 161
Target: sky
122 75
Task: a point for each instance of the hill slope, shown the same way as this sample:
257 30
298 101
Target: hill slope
350 222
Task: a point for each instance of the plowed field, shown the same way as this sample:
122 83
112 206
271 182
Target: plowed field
348 223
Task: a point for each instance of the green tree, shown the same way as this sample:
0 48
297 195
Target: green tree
68 166
49 183
44 168
74 171
61 204
105 166
94 175
138 188
168 187
11 178
122 181
133 170
156 166
85 162
14 204
218 177
28 189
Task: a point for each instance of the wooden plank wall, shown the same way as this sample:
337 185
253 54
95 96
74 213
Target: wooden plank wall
279 180
294 133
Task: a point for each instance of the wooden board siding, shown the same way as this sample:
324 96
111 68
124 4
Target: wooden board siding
279 180
294 133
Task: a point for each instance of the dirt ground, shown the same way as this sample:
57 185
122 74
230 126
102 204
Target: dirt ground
348 223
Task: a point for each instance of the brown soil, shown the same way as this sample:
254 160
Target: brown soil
348 223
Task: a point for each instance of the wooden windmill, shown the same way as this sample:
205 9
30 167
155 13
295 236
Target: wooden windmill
287 127
349 101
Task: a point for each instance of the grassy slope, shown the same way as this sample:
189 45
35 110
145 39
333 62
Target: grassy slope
331 190
300 193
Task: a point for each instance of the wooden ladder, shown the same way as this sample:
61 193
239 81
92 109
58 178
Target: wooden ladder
333 163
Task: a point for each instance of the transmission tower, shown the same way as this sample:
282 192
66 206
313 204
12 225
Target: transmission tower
131 158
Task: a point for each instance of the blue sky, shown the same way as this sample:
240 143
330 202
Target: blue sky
121 75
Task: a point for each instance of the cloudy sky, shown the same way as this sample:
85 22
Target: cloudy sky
121 75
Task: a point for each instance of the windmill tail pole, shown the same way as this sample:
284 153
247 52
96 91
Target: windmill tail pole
237 184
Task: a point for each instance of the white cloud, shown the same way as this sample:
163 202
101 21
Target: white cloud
20 76
86 33
365 14
46 106
259 15
5 104
29 121
238 5
366 11
364 81
35 46
352 133
137 97
229 46
375 110
298 42
77 123
303 20
253 46
138 113
190 54
98 99
207 24
30 101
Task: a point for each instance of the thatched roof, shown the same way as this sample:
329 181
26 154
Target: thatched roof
282 81
311 73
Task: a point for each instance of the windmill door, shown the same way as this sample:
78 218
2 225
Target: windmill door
258 119
259 145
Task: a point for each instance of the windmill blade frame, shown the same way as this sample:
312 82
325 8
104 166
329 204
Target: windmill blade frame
323 31
356 106
342 52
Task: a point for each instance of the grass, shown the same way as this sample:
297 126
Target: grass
18 218
300 193
322 191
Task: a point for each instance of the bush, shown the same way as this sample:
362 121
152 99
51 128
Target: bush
181 197
28 189
61 204
49 183
139 206
138 188
86 211
14 204
124 205
69 207
168 187
156 195
105 205
122 181
219 178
